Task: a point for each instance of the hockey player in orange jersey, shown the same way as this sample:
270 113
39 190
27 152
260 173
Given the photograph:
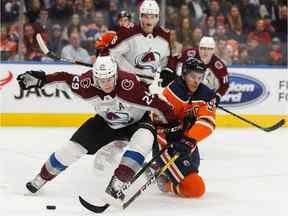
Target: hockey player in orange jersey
194 105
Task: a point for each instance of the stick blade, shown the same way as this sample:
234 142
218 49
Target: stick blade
42 44
275 126
93 208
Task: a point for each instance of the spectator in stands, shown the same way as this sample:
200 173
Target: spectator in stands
128 5
209 29
33 51
255 53
92 31
176 46
197 9
10 10
281 24
249 14
172 19
33 8
184 13
260 34
234 47
74 51
220 48
55 40
234 21
74 25
88 12
275 54
268 25
113 15
270 8
77 6
8 48
60 12
220 32
197 34
185 31
214 8
42 24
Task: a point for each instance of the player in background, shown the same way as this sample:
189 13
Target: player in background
121 103
143 48
194 104
216 76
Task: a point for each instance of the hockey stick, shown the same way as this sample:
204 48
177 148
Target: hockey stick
267 129
100 209
52 55
150 181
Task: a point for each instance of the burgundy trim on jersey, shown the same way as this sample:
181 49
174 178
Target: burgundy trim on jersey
126 32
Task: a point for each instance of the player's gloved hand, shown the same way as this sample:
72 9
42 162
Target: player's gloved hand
167 75
31 79
173 131
186 145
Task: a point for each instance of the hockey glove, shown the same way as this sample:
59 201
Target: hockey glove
185 146
31 79
174 131
167 75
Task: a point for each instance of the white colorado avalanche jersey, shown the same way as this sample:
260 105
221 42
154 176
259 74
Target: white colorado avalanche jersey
124 106
141 53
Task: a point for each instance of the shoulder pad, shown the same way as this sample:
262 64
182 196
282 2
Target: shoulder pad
125 32
204 93
178 88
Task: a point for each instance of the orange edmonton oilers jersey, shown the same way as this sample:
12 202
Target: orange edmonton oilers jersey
200 106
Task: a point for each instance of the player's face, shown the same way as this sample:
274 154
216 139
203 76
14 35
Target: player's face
206 54
124 21
149 21
193 79
107 85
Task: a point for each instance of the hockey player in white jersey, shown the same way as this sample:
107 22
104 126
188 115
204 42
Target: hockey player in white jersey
120 101
143 48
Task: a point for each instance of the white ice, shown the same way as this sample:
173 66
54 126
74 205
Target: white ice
245 171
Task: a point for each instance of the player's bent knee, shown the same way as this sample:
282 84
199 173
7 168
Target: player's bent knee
142 141
70 153
192 186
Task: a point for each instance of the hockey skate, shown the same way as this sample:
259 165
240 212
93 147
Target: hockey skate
114 195
36 183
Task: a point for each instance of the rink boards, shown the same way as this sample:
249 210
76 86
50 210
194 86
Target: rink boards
258 93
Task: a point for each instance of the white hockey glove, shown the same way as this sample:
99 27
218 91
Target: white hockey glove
31 79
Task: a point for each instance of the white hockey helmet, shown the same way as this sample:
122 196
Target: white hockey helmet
207 42
149 7
104 68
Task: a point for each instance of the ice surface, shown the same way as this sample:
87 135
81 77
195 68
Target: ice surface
245 171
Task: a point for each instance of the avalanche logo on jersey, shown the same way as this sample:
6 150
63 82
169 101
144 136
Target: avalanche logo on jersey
148 60
118 118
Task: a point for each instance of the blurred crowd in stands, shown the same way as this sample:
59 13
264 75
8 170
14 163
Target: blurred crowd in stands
246 31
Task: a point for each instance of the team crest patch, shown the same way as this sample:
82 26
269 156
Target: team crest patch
218 65
85 83
127 84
